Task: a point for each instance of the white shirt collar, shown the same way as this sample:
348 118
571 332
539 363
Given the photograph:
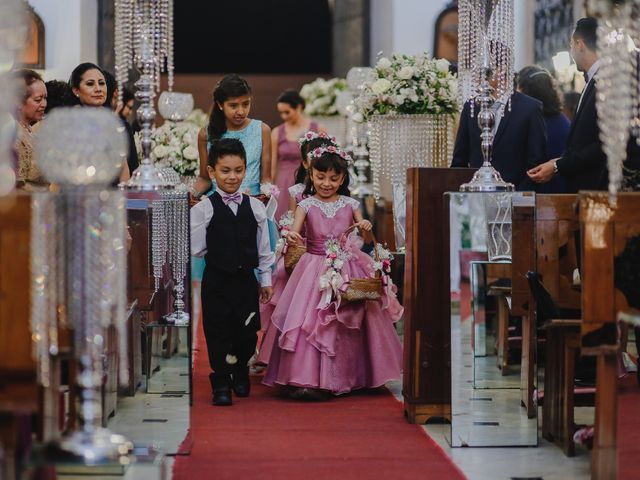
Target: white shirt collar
593 70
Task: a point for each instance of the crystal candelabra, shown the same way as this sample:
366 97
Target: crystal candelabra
81 274
486 43
358 134
144 38
176 218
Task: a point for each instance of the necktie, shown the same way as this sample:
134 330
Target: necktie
236 198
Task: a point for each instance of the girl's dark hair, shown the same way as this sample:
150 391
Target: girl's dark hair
112 86
77 74
58 95
305 148
329 161
226 146
229 87
291 98
537 82
28 77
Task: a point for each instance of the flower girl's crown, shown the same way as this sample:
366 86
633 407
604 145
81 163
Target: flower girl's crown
318 152
311 135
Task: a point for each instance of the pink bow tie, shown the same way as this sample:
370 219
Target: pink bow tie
227 198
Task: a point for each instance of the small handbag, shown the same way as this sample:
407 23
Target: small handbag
363 288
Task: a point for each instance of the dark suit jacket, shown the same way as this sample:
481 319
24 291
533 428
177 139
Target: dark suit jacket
583 163
520 142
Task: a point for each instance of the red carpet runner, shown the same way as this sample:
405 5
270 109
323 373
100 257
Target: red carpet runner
359 436
628 427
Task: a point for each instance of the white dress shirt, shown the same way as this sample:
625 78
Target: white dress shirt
201 215
590 74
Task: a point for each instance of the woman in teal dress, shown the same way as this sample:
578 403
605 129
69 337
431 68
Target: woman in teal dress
230 119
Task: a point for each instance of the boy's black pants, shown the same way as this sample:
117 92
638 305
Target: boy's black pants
227 301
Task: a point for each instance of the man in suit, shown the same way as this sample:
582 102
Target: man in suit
519 143
583 163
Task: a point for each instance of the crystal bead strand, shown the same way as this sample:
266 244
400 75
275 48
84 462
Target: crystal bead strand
41 277
613 99
170 65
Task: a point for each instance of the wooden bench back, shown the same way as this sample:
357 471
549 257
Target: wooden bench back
18 390
556 258
608 233
544 240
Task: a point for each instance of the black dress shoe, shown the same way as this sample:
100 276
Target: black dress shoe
241 386
222 397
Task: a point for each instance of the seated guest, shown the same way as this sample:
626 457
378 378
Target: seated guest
538 83
519 143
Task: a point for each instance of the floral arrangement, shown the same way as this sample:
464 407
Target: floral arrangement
175 145
335 258
384 264
320 96
408 84
269 190
198 117
285 224
319 151
311 135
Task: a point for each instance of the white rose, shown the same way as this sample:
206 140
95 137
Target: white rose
160 151
442 65
190 153
338 264
357 117
405 73
383 63
380 86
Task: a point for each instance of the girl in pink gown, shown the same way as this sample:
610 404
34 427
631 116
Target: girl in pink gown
309 141
324 345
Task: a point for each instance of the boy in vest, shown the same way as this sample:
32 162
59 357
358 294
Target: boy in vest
230 230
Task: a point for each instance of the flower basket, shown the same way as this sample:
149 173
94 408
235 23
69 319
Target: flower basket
359 289
292 255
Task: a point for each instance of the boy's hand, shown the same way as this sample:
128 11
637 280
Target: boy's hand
364 225
265 294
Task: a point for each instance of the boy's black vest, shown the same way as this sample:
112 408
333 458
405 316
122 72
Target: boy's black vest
232 239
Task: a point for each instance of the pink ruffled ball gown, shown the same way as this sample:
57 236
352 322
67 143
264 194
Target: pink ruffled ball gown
280 278
335 346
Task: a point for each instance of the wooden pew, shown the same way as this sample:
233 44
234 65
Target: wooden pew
606 233
426 379
544 241
556 260
19 395
523 260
